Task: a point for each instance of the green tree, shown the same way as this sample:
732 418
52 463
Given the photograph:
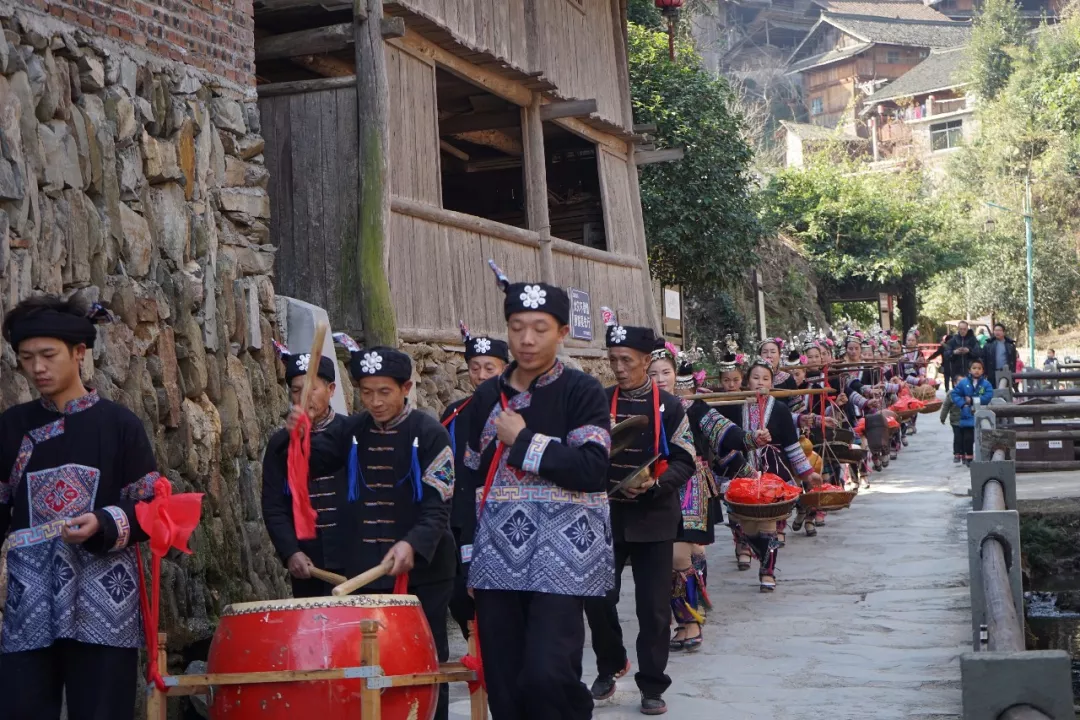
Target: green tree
998 30
699 212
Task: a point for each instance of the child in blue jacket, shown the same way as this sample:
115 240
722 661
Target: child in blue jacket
972 390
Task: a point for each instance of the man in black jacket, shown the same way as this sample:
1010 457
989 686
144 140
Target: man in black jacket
999 354
962 348
644 521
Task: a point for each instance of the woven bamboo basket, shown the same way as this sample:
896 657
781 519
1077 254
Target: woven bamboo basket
828 501
764 511
931 407
924 392
842 452
905 415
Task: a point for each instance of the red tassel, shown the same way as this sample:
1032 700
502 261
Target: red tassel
401 584
169 520
299 464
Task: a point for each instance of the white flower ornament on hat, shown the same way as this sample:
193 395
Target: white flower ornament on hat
618 334
533 296
302 362
482 345
371 363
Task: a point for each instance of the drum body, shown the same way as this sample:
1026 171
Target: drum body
317 634
877 432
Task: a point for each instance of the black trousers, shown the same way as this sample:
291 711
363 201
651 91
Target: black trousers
967 441
99 682
532 644
652 567
435 599
462 607
957 440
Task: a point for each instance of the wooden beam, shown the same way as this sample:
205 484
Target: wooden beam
648 157
364 256
536 187
479 121
451 150
392 27
492 82
567 108
581 129
277 5
493 139
304 42
305 86
325 65
645 128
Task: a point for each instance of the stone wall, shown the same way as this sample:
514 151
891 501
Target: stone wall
140 182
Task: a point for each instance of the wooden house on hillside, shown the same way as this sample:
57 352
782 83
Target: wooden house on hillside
848 56
509 135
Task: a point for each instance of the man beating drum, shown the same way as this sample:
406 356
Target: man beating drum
537 451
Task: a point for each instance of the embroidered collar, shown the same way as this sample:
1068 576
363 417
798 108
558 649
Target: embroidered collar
89 400
547 378
325 422
638 392
396 420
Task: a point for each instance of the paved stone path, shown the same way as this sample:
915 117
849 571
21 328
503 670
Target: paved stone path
867 622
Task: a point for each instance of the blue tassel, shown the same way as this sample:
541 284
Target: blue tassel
664 451
287 493
691 591
355 476
453 437
418 488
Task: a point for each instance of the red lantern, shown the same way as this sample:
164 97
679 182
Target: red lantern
670 10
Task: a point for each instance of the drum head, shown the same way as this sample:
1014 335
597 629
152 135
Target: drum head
358 601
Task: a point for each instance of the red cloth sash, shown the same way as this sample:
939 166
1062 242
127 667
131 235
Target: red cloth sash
299 465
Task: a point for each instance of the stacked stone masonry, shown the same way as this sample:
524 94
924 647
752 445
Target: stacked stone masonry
140 182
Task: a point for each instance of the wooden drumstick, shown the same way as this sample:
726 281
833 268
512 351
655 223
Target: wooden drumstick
368 576
313 363
326 576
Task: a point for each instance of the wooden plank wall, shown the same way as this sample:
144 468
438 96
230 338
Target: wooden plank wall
311 156
615 286
577 52
439 275
414 128
493 26
623 233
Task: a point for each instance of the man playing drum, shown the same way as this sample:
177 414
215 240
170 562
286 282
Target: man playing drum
645 520
400 478
537 451
74 466
329 442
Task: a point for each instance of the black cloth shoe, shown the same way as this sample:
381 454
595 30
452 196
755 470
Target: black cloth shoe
652 705
603 687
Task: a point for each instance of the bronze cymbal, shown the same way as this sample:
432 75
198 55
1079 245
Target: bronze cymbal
636 478
625 433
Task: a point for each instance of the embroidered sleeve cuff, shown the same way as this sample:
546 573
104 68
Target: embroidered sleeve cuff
534 453
122 528
440 474
799 462
589 434
141 489
858 399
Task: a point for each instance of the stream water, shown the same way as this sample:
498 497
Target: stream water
1053 619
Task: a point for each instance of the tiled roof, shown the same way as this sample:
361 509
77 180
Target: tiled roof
829 57
889 9
941 70
908 33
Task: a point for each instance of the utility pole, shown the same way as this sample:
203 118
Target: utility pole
1029 241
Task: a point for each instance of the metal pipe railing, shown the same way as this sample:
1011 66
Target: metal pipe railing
1005 630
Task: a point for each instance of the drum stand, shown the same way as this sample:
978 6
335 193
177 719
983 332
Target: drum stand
369 672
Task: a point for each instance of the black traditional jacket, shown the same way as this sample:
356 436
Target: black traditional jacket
400 489
326 480
462 507
655 515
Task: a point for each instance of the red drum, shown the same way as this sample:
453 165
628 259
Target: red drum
317 634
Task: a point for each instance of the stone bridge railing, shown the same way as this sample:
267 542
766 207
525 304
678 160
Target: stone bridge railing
1001 679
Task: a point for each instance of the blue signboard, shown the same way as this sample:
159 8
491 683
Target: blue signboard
580 315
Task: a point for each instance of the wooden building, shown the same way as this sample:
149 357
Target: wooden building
849 56
925 113
508 133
